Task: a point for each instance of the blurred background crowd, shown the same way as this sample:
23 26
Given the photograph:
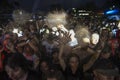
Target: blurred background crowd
60 44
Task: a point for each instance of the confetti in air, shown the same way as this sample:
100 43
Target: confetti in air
83 36
56 18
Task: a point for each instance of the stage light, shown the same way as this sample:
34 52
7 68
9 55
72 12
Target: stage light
112 11
15 30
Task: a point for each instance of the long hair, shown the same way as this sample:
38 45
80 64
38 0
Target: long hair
18 60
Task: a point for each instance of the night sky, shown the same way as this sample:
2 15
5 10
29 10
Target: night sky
43 5
33 6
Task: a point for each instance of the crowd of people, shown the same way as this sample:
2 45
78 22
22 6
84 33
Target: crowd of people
41 53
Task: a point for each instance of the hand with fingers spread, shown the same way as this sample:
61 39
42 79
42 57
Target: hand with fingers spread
64 38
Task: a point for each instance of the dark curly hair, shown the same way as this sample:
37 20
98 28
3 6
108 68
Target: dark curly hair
18 60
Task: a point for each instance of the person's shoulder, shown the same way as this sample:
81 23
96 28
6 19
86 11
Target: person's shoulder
33 75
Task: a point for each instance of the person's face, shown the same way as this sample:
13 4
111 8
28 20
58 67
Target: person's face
14 74
115 45
20 49
32 28
15 36
55 55
28 50
73 62
44 66
26 32
95 39
106 56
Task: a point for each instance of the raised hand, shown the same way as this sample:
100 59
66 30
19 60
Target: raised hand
64 38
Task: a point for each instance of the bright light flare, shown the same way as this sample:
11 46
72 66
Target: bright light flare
15 30
19 33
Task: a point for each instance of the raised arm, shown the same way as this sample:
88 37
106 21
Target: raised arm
61 60
63 41
91 61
